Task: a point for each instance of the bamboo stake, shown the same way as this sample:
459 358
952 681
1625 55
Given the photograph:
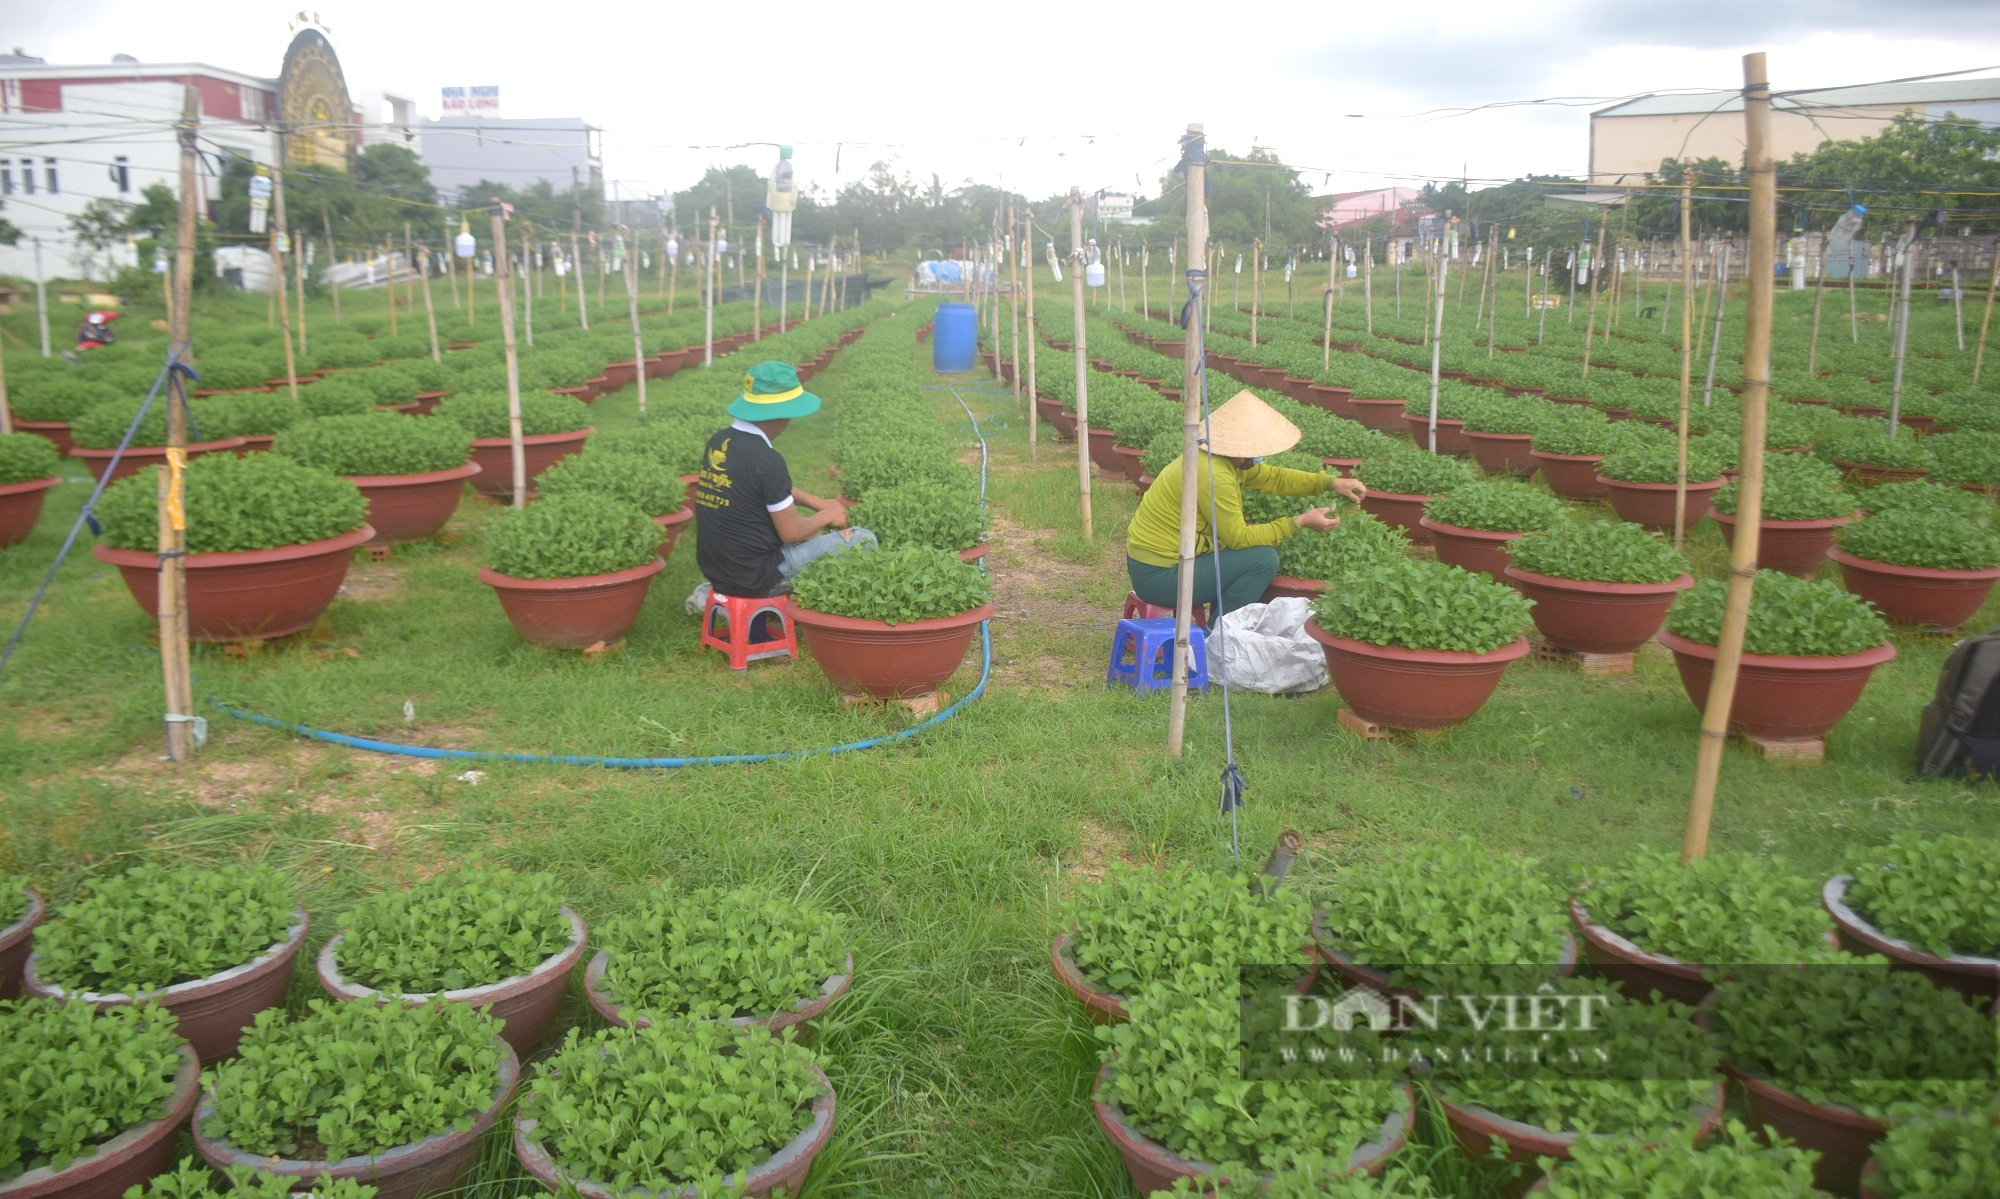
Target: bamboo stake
527 285
1012 245
6 413
1145 289
576 269
1034 388
756 297
632 313
172 603
1542 313
280 243
1596 289
1687 360
430 310
471 295
1986 321
1256 286
1082 356
1715 341
1900 320
1437 349
1399 292
331 262
389 283
299 282
504 292
1493 268
1958 309
1819 301
1368 282
1127 307
709 272
809 284
1194 157
1750 482
1326 308
674 284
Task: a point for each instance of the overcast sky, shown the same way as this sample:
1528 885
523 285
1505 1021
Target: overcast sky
1045 95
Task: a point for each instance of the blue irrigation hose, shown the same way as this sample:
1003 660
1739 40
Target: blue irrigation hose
612 763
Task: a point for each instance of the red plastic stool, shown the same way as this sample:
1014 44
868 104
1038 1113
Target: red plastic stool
739 616
1134 606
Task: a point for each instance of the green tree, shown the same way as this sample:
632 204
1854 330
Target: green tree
1719 202
1248 197
1916 165
10 233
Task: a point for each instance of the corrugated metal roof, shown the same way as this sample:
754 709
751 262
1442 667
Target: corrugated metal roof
1918 95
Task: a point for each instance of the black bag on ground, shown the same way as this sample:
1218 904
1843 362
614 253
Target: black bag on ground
1960 729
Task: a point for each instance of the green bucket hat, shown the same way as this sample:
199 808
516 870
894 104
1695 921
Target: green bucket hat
772 391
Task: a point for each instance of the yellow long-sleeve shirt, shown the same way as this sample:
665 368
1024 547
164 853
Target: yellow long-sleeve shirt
1155 534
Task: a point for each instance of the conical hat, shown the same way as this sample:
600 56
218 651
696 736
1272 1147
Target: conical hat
1247 427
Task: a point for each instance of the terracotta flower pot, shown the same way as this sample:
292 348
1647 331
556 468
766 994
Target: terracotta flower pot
1478 550
1405 512
427 402
1344 467
973 553
1287 587
1476 1129
1863 474
430 1166
1596 618
15 942
1104 453
1780 698
1064 421
620 375
1637 973
1128 458
1652 504
212 1011
412 507
1171 349
1413 688
574 613
584 394
253 595
889 661
673 524
1580 401
1102 1007
1336 400
139 457
1571 476
1917 595
1841 1136
1978 977
1503 453
524 1004
800 1014
1154 1167
21 507
1143 483
55 431
1451 438
1383 416
1796 547
1298 389
785 1169
127 1160
495 458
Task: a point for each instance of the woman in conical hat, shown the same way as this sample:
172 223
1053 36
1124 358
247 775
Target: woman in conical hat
1241 433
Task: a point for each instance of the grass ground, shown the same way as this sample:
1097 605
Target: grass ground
962 1068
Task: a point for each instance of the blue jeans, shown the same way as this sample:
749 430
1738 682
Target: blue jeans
800 554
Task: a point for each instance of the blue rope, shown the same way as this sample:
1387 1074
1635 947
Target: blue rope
87 516
1233 784
617 763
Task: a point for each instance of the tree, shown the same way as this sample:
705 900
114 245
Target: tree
736 192
1916 166
99 226
1722 208
1247 198
10 234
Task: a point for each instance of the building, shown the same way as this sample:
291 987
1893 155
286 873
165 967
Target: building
81 133
1408 224
462 152
1629 140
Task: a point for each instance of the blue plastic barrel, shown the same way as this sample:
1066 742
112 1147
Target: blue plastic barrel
955 338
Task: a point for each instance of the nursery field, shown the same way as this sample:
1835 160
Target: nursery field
950 860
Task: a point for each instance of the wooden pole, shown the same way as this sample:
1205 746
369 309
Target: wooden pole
172 607
6 413
430 310
632 311
333 284
1900 319
1256 285
1194 159
471 295
1819 301
576 269
1687 358
1986 321
674 284
1013 246
281 242
809 285
1368 281
505 289
709 272
299 284
1125 306
1034 336
1145 288
1082 356
389 284
1596 288
1958 309
1437 347
757 297
1493 270
1750 482
1715 340
527 285
1326 308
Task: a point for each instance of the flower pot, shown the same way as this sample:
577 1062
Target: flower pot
412 507
430 1166
1171 349
889 661
1841 1136
127 1160
1298 389
1862 474
524 1004
1104 453
1479 550
1502 453
1154 1167
1102 1007
1596 618
800 1014
255 443
1143 483
1796 547
1333 399
1383 416
672 525
1451 437
784 1169
1344 467
1780 698
1063 419
247 596
973 553
1571 476
213 1011
1652 504
139 457
1128 458
427 402
495 458
1978 977
1580 401
1417 689
21 507
15 942
1406 512
1637 973
1287 587
584 394
599 387
620 375
574 613
55 431
1917 595
1476 1129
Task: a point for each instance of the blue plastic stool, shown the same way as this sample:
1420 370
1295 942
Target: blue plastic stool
1150 641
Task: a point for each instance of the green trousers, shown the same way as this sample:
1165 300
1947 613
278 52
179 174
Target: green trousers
1245 574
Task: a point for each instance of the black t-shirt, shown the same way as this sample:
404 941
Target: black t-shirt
742 481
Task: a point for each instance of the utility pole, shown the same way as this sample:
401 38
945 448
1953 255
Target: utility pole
1082 357
1194 160
181 723
517 450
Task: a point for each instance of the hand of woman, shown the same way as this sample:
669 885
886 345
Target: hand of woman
1316 519
1350 489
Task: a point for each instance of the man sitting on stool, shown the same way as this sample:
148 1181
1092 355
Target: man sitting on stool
750 536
